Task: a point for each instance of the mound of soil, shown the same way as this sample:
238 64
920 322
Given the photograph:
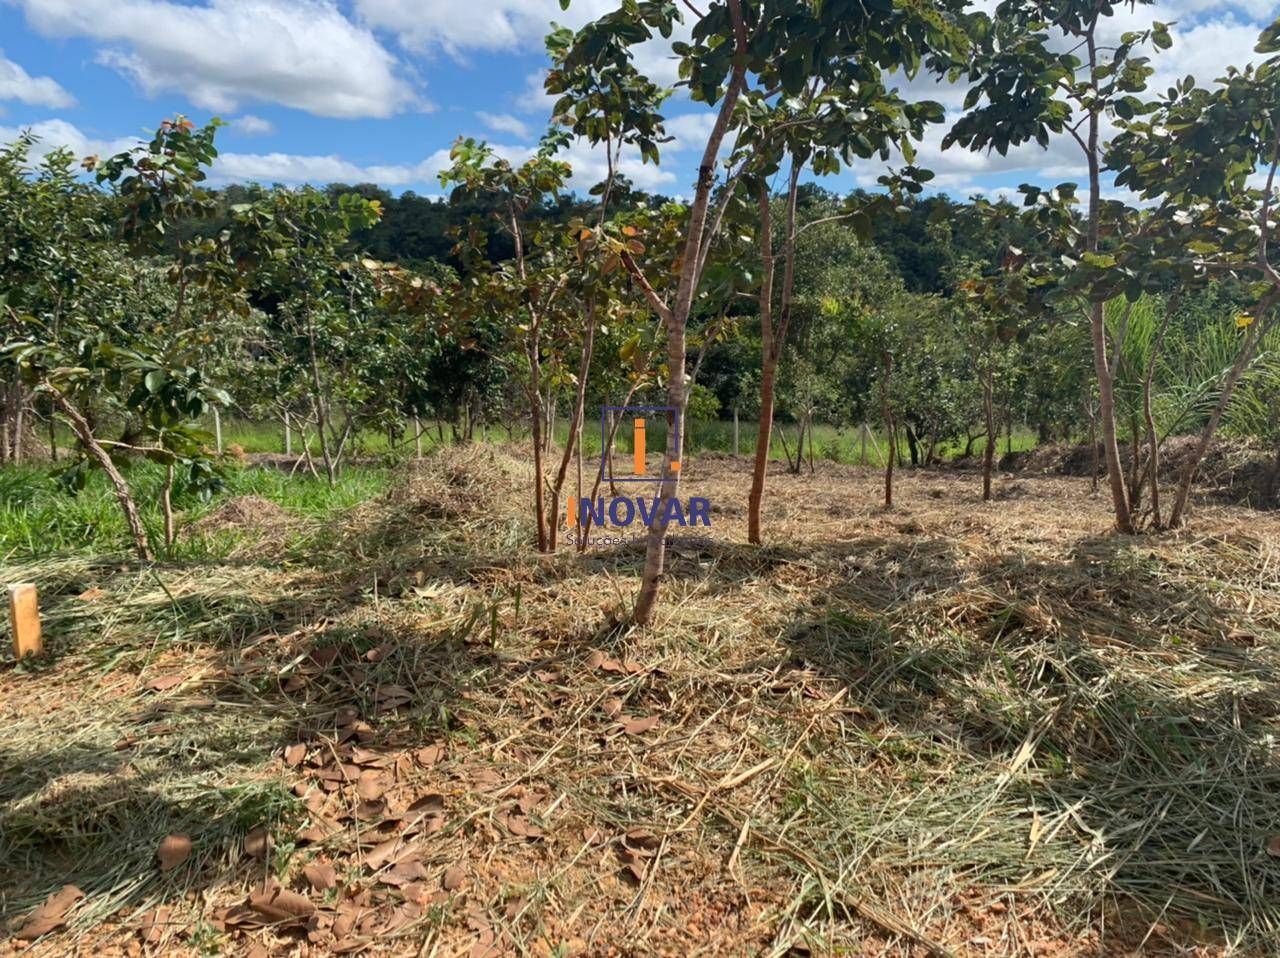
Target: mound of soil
1232 470
462 481
251 513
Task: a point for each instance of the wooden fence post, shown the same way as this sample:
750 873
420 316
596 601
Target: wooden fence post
24 619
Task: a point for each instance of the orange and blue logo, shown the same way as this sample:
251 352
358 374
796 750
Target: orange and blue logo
623 511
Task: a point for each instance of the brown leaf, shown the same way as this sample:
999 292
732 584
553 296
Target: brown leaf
50 915
642 838
324 656
453 878
515 907
404 872
370 759
320 876
369 786
638 726
519 825
390 697
1273 846
91 595
162 683
320 829
257 843
278 904
612 707
153 924
295 754
546 675
430 755
387 851
430 804
595 659
173 851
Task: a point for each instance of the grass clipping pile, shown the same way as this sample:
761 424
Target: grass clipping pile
953 728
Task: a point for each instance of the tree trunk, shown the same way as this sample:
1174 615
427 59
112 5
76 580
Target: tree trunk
1256 332
655 549
1097 323
989 418
809 433
318 404
288 435
913 447
575 426
80 426
539 496
217 430
889 424
166 505
1153 439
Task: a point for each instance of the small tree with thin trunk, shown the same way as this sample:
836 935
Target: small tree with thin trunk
1198 154
1026 86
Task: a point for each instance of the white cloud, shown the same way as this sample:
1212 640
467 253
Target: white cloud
251 125
691 131
51 134
17 84
300 53
477 24
533 98
504 123
296 168
501 25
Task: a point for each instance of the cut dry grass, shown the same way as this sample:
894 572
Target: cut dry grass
954 727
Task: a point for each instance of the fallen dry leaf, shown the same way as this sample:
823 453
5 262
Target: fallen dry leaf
369 785
278 904
153 925
320 876
295 754
430 755
91 595
50 915
404 872
1273 846
173 851
257 843
612 707
162 683
638 726
453 878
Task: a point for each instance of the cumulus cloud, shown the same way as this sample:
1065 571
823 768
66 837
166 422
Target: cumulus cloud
51 134
476 25
251 125
17 84
504 123
300 53
502 25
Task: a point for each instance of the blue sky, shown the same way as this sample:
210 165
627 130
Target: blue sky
376 90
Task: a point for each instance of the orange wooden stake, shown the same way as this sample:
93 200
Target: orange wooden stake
24 619
638 448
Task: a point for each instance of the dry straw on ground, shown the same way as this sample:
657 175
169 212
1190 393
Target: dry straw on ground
951 728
